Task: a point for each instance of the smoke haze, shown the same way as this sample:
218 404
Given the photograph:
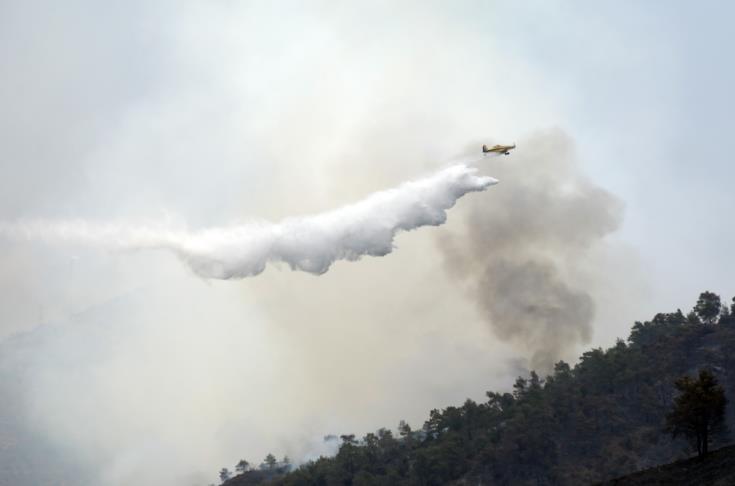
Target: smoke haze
123 365
522 253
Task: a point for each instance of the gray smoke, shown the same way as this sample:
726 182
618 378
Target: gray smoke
526 250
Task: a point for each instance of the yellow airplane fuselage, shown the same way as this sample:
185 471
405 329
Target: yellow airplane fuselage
498 149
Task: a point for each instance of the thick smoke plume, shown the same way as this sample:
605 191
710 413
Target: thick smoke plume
309 244
525 254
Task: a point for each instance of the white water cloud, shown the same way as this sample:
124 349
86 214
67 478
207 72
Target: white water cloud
309 244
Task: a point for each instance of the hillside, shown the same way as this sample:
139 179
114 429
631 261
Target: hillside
27 456
591 422
717 469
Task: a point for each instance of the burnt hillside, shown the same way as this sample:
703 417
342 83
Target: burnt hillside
717 469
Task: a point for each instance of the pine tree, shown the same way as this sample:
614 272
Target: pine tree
270 462
708 307
699 411
242 466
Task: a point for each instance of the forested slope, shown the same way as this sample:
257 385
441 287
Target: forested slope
599 419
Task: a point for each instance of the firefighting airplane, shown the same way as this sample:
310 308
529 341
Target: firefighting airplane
498 149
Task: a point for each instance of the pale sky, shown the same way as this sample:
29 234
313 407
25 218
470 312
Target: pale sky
214 112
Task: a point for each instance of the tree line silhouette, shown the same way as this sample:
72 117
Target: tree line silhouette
642 402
